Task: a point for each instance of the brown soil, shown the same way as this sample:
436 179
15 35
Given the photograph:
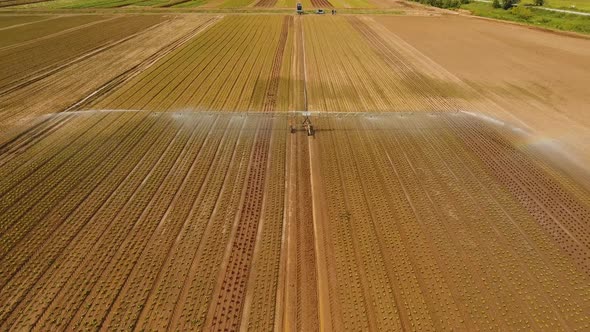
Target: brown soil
321 4
266 3
75 85
381 221
425 200
536 80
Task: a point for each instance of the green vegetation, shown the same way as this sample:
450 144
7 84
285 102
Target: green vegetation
577 5
443 3
189 4
235 3
533 16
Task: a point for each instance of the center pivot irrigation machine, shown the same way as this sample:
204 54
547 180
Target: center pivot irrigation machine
306 125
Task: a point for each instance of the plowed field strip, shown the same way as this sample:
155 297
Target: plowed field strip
12 206
39 212
505 233
121 313
306 316
411 76
227 313
208 68
215 221
369 255
20 143
347 301
439 183
218 70
149 80
10 3
270 99
119 235
38 32
129 74
266 3
390 203
116 280
29 63
82 238
259 307
556 220
209 192
11 22
230 294
321 4
153 81
21 255
31 160
67 88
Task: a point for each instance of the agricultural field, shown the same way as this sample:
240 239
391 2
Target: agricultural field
213 220
210 4
156 172
95 72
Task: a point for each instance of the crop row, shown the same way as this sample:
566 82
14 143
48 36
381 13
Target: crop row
224 68
559 212
31 269
143 217
33 59
95 76
416 77
456 249
10 38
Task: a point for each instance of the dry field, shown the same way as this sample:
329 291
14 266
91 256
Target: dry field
534 79
154 174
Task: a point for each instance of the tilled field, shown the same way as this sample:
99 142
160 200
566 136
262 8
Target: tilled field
96 72
154 175
184 221
235 66
34 58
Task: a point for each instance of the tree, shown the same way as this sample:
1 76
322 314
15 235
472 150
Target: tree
496 4
539 2
509 4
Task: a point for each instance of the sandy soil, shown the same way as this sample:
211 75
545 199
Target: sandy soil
537 80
